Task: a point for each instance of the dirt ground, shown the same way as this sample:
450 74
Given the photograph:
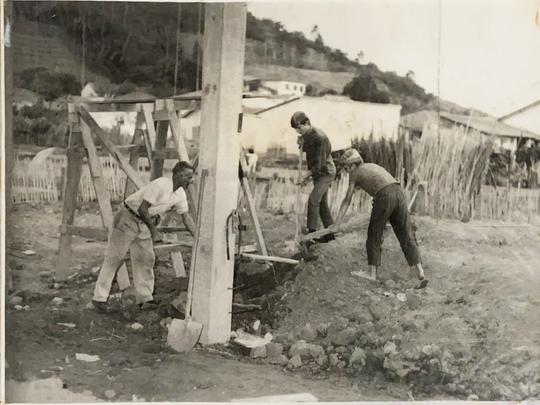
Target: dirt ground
473 331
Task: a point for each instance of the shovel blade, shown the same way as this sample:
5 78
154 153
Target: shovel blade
183 335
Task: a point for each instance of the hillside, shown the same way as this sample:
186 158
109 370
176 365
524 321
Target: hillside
49 34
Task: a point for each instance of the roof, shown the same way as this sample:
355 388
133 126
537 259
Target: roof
520 110
487 125
491 126
416 120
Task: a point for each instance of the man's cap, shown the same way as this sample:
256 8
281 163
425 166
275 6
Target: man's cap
297 118
351 156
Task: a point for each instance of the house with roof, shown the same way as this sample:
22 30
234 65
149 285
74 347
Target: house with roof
341 118
506 137
527 117
284 87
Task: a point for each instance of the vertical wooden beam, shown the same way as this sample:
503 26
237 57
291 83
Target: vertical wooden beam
223 68
160 143
75 155
134 156
251 207
150 132
7 116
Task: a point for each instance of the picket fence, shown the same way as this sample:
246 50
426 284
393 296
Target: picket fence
45 183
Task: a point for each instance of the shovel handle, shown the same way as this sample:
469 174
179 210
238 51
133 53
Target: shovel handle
189 300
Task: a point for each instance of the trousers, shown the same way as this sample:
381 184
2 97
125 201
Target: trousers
318 203
390 204
128 234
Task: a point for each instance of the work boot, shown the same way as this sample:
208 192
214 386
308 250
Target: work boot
149 305
100 306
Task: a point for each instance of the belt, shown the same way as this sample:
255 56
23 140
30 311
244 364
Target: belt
132 212
156 219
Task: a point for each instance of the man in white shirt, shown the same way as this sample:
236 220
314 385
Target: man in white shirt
134 229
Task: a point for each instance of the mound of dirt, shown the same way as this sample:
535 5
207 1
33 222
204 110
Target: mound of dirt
442 339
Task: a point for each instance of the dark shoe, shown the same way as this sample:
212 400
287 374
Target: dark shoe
149 305
326 238
423 284
100 306
175 312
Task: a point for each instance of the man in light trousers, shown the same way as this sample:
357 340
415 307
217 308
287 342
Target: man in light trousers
135 230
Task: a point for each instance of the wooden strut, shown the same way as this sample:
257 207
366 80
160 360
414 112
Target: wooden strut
83 126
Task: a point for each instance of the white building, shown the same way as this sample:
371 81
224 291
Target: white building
527 117
341 118
282 87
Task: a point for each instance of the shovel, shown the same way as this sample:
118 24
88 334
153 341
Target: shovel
184 334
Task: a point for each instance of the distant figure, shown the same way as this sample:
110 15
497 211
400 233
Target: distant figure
251 158
322 170
88 90
389 204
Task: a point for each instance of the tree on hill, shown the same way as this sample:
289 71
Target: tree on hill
364 88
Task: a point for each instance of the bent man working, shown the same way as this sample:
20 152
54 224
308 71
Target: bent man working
322 170
389 204
135 230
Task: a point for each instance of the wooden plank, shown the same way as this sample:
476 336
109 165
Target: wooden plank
111 148
160 142
165 153
73 176
160 115
96 171
223 66
103 196
175 131
100 234
150 133
165 249
267 258
110 105
130 148
251 207
130 187
178 264
253 215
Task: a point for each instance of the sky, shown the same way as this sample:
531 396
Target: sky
489 51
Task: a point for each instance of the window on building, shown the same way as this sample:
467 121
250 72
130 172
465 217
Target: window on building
287 87
294 87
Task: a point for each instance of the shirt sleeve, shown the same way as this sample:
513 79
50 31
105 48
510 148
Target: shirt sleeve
181 205
152 191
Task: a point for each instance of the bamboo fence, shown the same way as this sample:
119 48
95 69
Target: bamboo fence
453 164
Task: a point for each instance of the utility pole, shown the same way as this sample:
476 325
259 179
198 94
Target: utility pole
219 152
178 21
6 150
83 67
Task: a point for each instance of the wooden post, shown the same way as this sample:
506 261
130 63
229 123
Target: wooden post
134 156
160 143
7 79
223 66
75 155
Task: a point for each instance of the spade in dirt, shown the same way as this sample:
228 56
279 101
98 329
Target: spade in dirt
184 334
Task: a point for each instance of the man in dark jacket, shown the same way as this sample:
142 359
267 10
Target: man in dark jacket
322 171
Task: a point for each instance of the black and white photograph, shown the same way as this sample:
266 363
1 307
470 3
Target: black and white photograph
270 201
